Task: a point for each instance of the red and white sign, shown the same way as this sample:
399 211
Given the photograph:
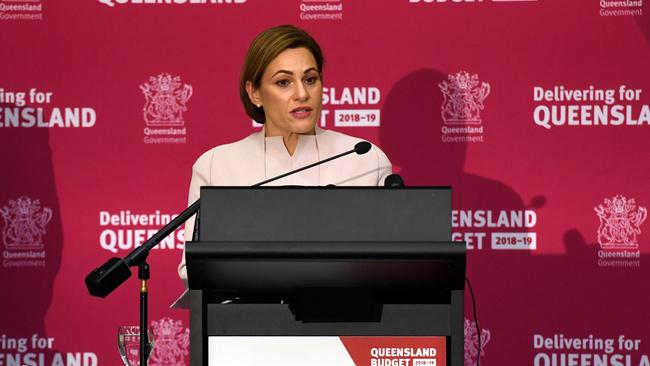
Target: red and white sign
327 351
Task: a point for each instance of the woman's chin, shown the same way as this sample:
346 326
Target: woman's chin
297 126
304 127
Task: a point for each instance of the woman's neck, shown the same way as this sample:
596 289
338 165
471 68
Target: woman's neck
290 139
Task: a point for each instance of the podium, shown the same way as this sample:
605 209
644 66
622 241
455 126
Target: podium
307 262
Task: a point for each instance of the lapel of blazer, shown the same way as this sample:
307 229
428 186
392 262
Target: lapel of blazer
255 150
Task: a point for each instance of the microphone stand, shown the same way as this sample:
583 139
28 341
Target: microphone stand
143 275
109 276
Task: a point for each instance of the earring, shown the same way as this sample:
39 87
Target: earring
259 105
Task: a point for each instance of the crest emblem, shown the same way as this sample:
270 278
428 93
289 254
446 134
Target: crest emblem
620 223
25 222
471 342
172 342
165 100
463 98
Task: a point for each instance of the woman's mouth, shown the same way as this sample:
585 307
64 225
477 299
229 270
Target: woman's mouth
301 112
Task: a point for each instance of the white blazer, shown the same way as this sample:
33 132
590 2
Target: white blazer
243 163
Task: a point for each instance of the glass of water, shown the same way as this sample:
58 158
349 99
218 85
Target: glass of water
128 342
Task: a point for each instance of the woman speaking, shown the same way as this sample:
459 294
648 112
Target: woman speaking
281 86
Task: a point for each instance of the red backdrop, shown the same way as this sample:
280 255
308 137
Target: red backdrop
536 112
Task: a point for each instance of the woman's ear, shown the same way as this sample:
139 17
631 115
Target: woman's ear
253 94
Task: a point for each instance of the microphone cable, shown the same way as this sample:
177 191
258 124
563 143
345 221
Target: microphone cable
478 329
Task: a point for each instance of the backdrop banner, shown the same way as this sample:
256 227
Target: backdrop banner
534 111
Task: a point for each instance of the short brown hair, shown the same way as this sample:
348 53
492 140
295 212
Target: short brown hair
266 47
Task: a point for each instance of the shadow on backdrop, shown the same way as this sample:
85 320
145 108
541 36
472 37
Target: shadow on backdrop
643 21
410 134
31 223
519 293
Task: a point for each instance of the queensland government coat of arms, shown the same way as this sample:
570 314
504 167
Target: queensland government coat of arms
171 343
165 100
463 98
472 352
24 223
620 223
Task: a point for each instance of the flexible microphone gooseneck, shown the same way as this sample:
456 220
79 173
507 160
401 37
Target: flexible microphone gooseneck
360 148
109 276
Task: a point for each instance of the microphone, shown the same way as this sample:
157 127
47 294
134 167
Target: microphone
110 275
394 181
362 147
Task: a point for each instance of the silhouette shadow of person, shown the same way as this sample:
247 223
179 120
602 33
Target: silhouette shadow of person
411 135
32 234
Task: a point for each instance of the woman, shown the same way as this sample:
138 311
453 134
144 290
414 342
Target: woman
281 87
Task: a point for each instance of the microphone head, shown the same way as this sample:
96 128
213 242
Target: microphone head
103 280
394 181
362 147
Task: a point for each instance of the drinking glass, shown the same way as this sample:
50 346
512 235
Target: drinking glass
128 342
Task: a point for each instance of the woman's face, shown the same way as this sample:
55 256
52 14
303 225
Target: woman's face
291 93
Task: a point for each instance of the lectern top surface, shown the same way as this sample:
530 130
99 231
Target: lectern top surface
325 214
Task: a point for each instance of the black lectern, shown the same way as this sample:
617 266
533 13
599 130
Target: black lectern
294 261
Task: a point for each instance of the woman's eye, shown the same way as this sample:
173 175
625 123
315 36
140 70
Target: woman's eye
311 80
282 83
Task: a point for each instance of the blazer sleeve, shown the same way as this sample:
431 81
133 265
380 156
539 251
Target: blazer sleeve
385 168
201 172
